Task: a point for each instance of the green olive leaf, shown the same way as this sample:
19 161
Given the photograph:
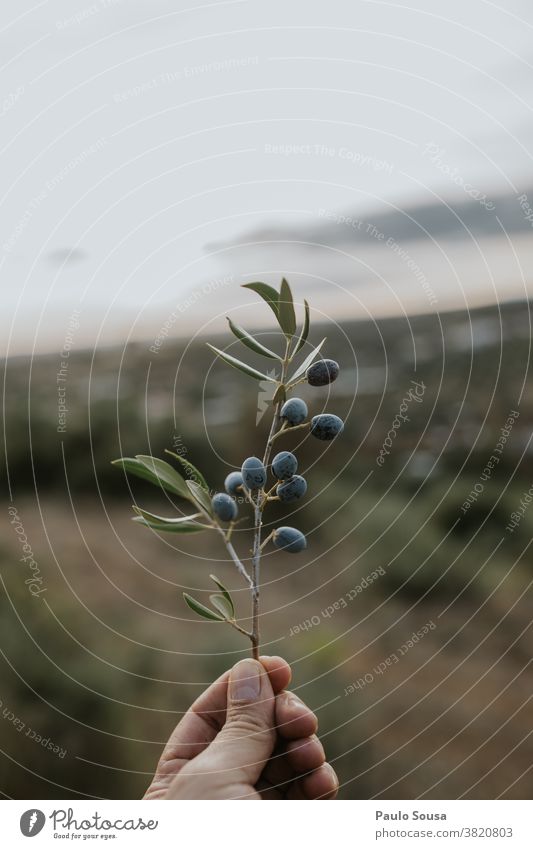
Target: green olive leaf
232 361
171 527
225 593
302 339
250 342
287 317
202 610
156 471
223 606
268 293
306 363
167 476
135 467
192 470
200 496
174 525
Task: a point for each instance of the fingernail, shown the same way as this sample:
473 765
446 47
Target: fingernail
245 681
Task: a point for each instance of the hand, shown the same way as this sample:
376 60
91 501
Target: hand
245 737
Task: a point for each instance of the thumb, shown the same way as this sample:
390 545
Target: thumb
245 743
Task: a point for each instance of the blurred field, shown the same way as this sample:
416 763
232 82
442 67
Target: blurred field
104 661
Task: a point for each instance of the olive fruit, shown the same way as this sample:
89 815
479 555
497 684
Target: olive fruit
289 539
254 473
326 426
322 372
292 489
233 483
294 411
284 465
224 507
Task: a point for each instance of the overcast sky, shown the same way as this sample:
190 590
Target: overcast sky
144 142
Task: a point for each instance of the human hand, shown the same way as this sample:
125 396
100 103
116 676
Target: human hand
245 737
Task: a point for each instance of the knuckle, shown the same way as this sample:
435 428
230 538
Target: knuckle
244 723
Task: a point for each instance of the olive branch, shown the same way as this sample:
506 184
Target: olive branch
219 513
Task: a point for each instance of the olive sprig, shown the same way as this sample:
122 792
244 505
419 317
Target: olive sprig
219 512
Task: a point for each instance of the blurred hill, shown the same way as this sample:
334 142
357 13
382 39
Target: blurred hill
105 660
459 218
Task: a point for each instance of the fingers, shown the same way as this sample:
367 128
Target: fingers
322 783
207 714
306 754
298 771
202 722
294 720
319 779
278 671
292 759
239 752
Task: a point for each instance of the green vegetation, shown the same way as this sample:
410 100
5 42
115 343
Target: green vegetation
97 663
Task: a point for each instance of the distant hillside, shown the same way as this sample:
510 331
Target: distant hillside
454 219
476 367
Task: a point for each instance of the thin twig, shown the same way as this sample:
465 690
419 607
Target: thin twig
248 497
258 513
290 429
296 382
235 557
238 628
256 560
229 546
274 427
267 540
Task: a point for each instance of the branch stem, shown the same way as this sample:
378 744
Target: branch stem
238 628
267 540
296 382
234 556
289 430
256 562
258 512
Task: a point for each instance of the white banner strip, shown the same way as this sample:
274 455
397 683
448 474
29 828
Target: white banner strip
229 824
